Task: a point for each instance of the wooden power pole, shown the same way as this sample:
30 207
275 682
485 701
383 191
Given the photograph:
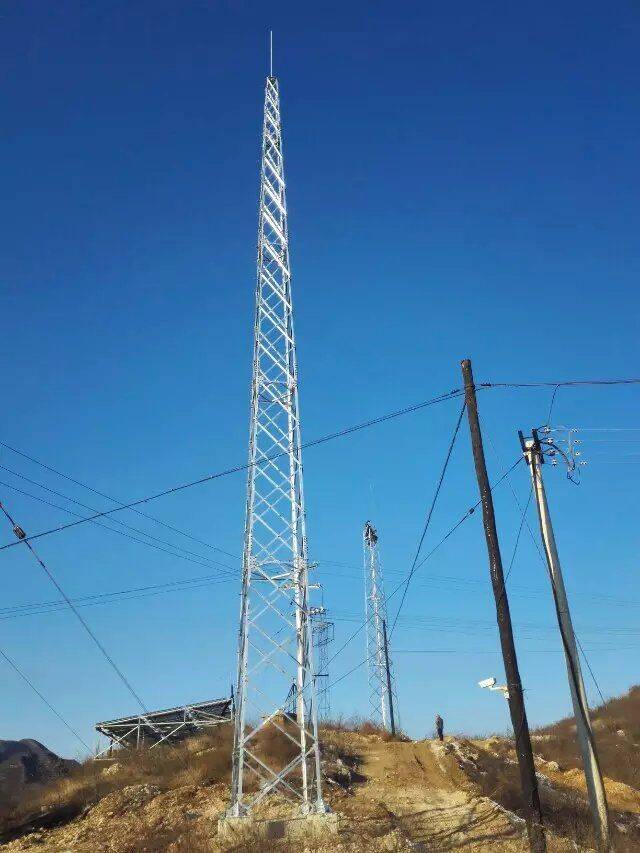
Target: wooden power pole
388 673
533 811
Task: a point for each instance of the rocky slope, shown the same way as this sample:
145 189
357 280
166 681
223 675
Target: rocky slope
389 795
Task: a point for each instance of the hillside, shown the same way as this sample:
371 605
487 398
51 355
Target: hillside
617 727
27 764
390 794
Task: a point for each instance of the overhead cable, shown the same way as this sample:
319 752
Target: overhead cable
237 468
203 561
561 384
101 494
449 533
43 698
429 516
22 539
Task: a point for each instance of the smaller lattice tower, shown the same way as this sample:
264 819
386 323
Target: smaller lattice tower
323 634
381 680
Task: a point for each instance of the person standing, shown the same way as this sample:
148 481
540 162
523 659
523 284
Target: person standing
440 727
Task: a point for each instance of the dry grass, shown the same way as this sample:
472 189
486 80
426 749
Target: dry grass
276 743
198 761
206 760
566 812
616 726
360 725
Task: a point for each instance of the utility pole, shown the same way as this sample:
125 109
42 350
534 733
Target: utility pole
388 670
533 811
533 451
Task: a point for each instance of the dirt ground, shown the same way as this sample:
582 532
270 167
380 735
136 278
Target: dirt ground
419 789
394 796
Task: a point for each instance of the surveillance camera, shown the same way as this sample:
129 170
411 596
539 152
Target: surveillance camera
487 682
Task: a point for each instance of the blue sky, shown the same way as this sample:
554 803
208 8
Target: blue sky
462 181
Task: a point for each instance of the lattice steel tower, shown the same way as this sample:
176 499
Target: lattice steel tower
323 633
275 641
381 680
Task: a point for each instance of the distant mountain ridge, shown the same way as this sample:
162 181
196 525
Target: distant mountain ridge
28 762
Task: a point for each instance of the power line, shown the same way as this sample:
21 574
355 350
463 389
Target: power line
204 561
453 580
237 468
553 399
586 660
43 698
449 533
565 383
22 539
198 582
429 515
456 392
613 462
497 652
101 494
469 513
97 599
515 547
452 622
115 520
96 595
597 429
439 623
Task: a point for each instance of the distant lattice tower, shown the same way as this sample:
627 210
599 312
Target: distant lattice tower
323 635
381 680
275 638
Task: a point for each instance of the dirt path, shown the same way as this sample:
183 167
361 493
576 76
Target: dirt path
419 789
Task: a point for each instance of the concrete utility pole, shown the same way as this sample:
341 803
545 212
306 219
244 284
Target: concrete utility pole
597 797
533 811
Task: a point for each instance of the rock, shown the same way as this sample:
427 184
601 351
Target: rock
337 771
546 765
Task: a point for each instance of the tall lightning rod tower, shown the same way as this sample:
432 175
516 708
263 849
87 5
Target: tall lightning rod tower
275 638
381 680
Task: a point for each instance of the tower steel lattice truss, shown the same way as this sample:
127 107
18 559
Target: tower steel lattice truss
275 641
323 631
381 680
